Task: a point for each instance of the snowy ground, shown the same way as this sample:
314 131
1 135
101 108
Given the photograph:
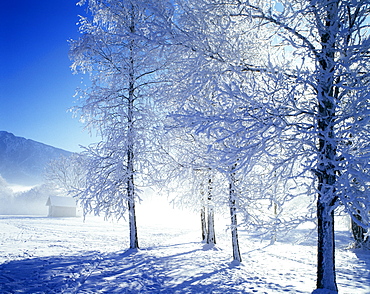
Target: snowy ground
67 255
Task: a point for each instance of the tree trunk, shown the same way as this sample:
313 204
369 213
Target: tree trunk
274 233
134 243
326 199
326 248
130 183
327 95
203 219
203 223
211 236
358 233
234 223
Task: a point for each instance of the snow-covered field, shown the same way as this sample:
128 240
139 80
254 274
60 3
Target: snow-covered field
67 255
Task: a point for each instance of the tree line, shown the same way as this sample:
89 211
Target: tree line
260 105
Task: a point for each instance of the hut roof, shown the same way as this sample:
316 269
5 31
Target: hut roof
61 201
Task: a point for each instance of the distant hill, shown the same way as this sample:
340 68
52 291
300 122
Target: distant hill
22 161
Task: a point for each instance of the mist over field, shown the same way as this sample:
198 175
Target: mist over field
23 162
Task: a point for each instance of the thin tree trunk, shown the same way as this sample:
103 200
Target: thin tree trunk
203 219
358 233
203 223
131 198
211 236
274 233
234 222
134 243
275 211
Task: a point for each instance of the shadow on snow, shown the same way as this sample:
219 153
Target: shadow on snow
133 271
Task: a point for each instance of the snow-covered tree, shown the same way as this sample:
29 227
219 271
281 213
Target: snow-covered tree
116 51
304 106
332 38
191 182
233 197
207 45
66 174
212 95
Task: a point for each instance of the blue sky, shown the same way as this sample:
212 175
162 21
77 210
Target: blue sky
36 83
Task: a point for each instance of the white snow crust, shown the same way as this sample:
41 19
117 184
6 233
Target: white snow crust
68 255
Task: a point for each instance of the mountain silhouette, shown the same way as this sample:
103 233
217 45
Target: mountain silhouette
23 161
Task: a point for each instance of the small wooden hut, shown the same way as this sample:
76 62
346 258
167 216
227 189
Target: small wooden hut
61 206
